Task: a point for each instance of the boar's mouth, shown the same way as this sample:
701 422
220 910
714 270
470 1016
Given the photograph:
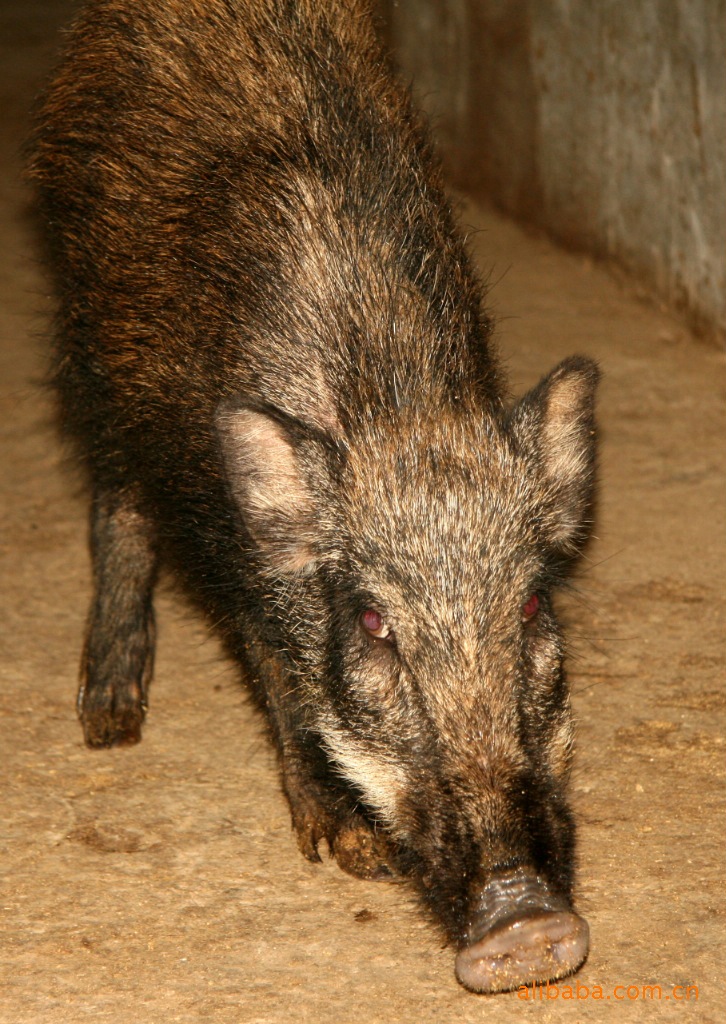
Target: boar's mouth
520 933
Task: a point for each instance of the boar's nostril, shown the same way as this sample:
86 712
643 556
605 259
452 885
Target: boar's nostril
540 946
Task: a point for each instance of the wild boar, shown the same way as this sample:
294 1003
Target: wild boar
273 359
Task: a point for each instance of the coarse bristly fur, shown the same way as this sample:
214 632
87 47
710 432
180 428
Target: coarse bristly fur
272 358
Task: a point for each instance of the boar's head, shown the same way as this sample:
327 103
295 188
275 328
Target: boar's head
411 559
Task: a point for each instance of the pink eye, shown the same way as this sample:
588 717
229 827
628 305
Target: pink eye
530 608
373 623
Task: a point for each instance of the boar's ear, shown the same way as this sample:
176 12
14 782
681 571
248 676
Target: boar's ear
556 421
263 463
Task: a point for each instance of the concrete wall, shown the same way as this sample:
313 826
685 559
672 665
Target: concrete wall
602 122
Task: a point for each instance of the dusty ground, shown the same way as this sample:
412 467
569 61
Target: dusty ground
162 883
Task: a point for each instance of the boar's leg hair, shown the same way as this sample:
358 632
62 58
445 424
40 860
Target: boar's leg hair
118 655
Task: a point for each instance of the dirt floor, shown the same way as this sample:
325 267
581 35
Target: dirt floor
162 883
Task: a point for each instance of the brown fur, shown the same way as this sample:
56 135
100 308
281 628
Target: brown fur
273 361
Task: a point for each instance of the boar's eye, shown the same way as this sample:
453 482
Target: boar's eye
530 608
374 623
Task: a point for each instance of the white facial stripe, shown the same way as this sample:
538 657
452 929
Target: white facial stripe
380 781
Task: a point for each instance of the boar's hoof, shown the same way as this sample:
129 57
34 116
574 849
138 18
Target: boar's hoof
358 850
108 722
521 934
361 853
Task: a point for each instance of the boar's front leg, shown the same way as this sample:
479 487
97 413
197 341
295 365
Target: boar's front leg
321 805
119 649
325 809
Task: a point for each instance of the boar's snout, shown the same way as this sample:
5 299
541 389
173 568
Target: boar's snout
520 933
